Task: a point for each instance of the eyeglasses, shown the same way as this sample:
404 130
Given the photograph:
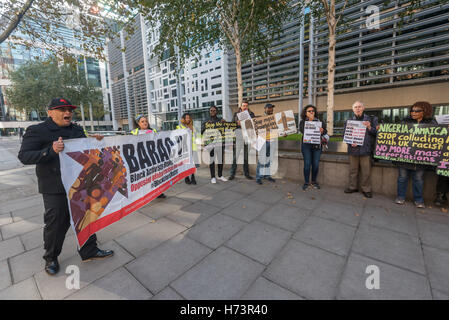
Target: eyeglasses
310 111
416 110
65 110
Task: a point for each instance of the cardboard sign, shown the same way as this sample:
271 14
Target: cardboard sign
219 132
355 132
286 123
312 133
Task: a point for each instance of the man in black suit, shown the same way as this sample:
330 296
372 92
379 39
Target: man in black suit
40 146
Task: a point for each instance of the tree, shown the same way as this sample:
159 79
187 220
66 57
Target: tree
187 27
35 83
41 23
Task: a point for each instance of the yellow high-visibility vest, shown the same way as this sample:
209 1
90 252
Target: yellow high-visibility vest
136 131
194 134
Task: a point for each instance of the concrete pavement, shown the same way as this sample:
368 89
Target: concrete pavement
231 240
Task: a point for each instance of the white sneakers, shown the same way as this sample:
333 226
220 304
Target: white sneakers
213 180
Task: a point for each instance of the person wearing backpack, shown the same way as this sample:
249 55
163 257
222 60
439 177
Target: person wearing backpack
360 156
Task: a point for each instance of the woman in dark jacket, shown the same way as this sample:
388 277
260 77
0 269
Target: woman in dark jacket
421 113
311 152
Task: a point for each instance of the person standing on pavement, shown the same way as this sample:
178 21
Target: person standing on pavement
217 151
236 151
187 123
360 156
420 113
264 165
143 127
311 152
41 146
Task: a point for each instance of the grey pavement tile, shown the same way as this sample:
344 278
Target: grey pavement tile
216 230
246 209
157 268
33 239
209 189
118 285
310 272
285 217
433 216
390 219
340 212
224 274
301 200
245 188
21 227
5 219
259 241
127 224
434 234
191 196
163 207
394 283
222 199
264 289
266 195
391 247
54 287
437 262
333 195
21 203
438 295
10 248
326 234
5 276
189 216
149 236
25 290
27 213
167 294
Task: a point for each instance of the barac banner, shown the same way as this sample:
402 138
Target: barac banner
109 179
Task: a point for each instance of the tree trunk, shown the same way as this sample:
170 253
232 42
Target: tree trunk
238 67
330 80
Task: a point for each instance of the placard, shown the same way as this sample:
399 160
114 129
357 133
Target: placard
355 132
312 132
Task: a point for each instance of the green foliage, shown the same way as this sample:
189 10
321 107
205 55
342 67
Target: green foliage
35 83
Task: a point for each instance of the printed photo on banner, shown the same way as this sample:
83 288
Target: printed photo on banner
312 133
109 179
355 132
286 123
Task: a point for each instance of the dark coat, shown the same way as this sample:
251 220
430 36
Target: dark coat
211 120
37 148
370 137
323 124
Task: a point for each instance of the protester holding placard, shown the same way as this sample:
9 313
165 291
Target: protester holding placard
236 151
360 155
421 113
217 151
311 151
41 146
187 123
263 162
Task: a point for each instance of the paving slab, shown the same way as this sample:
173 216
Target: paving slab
434 234
5 276
21 203
193 214
216 230
5 218
22 227
157 268
264 289
118 285
25 290
395 248
394 283
437 262
127 224
246 209
10 248
167 294
33 239
223 198
344 213
230 273
309 272
27 213
162 207
149 236
436 216
438 295
390 219
266 195
54 287
285 217
326 234
259 241
244 188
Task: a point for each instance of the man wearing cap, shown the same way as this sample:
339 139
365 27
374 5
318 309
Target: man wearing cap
263 162
41 145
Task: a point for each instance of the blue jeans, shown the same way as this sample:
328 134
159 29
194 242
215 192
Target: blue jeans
418 183
263 163
311 159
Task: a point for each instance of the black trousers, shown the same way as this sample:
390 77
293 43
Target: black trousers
57 223
219 162
442 184
235 155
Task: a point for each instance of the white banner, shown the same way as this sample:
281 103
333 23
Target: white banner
312 133
109 179
355 132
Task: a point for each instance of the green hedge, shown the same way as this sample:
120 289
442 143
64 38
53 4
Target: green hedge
298 137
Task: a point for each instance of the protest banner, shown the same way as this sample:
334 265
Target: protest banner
266 127
355 132
285 121
412 143
218 133
109 179
312 133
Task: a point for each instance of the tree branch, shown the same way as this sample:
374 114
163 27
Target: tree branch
15 21
253 5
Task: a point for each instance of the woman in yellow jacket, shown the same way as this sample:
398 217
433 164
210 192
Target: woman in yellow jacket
187 123
143 127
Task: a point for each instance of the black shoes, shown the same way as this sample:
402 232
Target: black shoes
368 194
347 190
193 181
231 177
52 267
101 254
271 179
440 200
187 180
162 196
248 177
258 181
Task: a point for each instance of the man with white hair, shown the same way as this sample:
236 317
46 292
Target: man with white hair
360 156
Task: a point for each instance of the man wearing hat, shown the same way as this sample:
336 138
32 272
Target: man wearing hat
40 146
263 167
